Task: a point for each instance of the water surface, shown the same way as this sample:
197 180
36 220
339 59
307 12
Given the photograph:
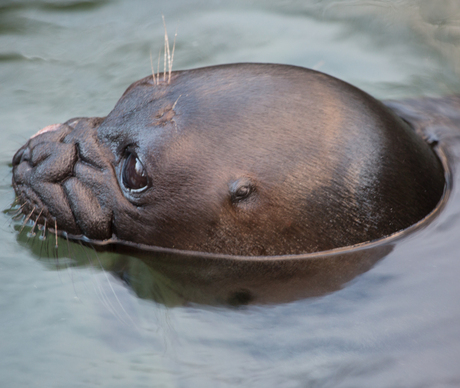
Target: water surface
69 323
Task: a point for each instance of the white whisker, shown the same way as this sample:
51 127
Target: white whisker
153 71
172 57
158 73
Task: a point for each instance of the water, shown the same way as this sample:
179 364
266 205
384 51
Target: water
69 323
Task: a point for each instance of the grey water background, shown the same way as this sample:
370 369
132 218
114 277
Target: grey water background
65 325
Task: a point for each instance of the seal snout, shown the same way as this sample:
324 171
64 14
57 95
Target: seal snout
24 154
53 174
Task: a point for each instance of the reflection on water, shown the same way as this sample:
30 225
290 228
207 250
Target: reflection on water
179 279
391 320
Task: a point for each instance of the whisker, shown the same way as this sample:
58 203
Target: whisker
14 214
153 71
17 211
41 247
56 253
53 255
17 215
172 57
167 49
32 234
27 219
69 253
22 206
164 64
55 231
158 74
43 236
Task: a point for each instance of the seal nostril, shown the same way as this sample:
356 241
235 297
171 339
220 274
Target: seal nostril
17 157
23 155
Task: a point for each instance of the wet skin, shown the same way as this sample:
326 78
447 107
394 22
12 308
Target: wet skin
242 159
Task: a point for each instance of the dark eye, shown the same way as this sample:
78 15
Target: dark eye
241 189
133 173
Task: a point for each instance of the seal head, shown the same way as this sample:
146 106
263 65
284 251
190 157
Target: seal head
243 159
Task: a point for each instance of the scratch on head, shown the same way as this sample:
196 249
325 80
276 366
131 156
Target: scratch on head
176 102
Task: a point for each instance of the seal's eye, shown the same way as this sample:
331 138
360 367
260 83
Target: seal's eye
133 173
241 189
242 193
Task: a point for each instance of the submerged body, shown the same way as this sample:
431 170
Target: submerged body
243 159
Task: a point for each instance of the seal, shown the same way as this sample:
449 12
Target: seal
240 159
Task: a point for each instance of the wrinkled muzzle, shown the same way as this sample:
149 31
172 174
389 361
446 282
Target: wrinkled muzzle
62 177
